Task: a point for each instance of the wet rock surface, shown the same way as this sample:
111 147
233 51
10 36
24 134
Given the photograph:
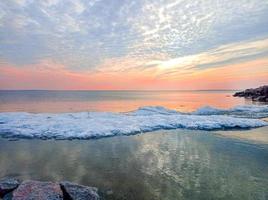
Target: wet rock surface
256 94
30 190
7 185
13 189
73 191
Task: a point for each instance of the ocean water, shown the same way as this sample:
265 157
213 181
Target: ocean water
163 164
116 101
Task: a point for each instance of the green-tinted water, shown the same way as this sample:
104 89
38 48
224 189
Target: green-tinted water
160 165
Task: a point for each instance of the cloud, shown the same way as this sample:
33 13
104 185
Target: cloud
214 58
162 65
157 40
50 75
183 27
82 34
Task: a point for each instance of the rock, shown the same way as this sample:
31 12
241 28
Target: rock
8 196
239 94
260 98
249 92
73 191
8 185
36 190
257 94
12 189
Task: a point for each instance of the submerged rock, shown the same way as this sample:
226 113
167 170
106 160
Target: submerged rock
36 190
257 94
7 185
74 191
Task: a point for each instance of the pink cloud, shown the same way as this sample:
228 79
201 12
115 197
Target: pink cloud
50 75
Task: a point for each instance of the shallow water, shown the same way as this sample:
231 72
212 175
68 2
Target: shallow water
179 164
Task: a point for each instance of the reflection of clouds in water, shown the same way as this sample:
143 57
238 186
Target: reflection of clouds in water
160 165
189 166
181 160
104 162
35 159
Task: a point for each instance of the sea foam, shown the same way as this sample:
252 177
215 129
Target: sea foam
245 111
88 125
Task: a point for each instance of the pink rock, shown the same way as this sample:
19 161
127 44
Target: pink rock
36 190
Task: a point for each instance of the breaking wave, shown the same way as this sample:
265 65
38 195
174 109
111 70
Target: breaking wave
88 125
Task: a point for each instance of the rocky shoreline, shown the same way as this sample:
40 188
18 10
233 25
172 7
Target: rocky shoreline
256 94
14 189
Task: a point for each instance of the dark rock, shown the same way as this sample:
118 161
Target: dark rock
239 94
8 185
36 190
73 191
260 98
257 94
8 196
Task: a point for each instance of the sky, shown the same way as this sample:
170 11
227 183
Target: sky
133 44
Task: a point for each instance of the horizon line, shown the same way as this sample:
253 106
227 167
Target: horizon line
118 90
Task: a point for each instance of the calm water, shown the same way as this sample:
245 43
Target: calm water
75 101
179 164
161 165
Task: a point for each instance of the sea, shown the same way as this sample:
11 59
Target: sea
170 161
36 101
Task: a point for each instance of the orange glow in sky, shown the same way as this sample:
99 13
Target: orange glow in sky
230 76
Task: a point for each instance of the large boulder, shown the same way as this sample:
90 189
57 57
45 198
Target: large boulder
8 185
74 191
36 190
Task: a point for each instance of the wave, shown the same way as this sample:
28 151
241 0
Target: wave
246 111
152 110
88 125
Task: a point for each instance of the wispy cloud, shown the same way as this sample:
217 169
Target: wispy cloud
218 57
162 38
164 64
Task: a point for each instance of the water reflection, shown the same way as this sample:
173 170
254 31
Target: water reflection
160 165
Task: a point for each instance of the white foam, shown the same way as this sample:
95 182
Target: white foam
152 110
86 125
246 111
